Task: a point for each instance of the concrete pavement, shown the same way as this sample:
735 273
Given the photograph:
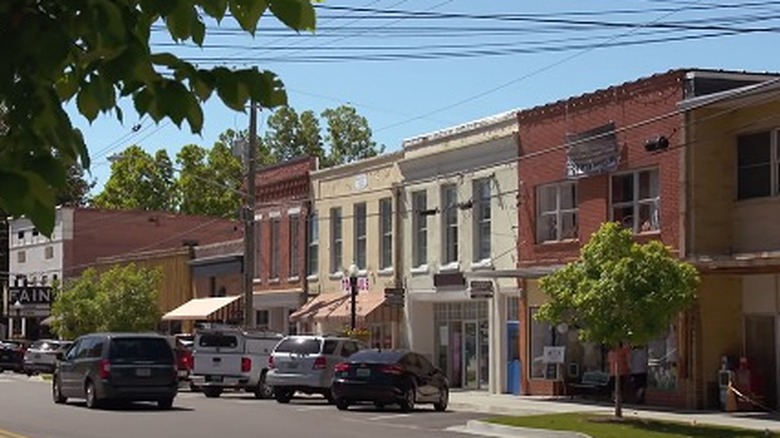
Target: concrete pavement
503 404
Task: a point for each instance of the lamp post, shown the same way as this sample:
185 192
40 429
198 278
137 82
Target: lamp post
353 291
18 309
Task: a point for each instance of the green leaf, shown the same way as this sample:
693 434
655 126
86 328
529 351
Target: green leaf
297 14
198 30
248 12
214 8
87 103
167 59
67 86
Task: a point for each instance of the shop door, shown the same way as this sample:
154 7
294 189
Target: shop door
761 352
475 354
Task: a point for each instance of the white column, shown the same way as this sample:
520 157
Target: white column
497 342
24 328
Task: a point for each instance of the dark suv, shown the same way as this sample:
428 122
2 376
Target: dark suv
104 367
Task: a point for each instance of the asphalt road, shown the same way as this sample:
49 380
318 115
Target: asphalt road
27 411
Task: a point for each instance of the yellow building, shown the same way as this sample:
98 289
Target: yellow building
355 224
732 205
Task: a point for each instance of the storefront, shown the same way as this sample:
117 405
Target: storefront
462 342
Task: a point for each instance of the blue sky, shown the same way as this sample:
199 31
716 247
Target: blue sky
483 58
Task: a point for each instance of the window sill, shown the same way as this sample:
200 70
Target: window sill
313 277
257 281
362 273
293 279
274 280
386 272
336 275
648 233
483 265
422 269
450 267
559 242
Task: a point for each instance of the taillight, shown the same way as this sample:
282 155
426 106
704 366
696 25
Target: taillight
271 362
104 369
342 367
391 369
319 363
246 364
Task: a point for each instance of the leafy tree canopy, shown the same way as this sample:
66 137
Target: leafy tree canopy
96 52
619 290
123 298
139 181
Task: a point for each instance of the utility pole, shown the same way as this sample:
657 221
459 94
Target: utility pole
249 217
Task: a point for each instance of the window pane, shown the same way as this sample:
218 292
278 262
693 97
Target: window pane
624 216
294 246
484 241
547 199
662 361
420 228
648 217
754 181
623 188
569 225
568 196
753 149
547 228
648 184
541 336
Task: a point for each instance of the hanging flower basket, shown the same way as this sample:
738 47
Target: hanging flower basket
361 334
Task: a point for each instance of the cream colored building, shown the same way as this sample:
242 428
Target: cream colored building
460 222
354 223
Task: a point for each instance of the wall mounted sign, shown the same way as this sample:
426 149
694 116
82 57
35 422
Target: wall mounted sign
592 152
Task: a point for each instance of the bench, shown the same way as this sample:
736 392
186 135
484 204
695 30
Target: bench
595 383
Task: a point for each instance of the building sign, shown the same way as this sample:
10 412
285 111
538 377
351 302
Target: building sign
362 284
481 289
394 296
592 152
33 300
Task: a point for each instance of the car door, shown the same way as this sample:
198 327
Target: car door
81 365
67 372
430 378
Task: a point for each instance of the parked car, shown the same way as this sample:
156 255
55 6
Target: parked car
184 358
41 357
390 377
12 355
105 367
306 364
232 358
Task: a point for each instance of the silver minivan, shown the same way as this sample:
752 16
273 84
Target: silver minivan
306 363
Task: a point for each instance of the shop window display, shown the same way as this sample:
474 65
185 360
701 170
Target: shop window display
662 361
579 356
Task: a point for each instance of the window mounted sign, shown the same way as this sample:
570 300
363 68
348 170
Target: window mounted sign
481 289
362 284
553 355
592 152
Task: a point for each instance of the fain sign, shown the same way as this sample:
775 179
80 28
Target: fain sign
28 295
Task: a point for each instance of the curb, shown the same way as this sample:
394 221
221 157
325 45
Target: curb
482 428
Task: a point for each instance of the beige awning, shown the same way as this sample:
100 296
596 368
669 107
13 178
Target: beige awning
199 308
338 307
48 320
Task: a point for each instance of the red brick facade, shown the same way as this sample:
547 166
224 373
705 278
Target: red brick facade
104 233
639 110
282 192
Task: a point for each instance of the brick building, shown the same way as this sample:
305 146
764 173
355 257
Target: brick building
612 155
83 235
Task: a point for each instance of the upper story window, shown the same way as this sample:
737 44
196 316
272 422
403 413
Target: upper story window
385 233
20 235
336 240
258 249
276 255
635 200
49 252
312 262
556 212
262 319
449 225
482 219
21 257
359 218
758 165
419 228
295 243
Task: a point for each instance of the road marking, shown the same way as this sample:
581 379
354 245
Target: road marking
312 408
386 416
7 434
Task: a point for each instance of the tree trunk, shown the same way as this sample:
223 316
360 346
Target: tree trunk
618 392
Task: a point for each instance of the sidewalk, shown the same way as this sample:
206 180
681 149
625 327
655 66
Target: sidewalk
504 404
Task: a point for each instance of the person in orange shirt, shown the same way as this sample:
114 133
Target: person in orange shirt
618 366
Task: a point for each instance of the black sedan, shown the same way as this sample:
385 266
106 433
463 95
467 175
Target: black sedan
389 377
12 355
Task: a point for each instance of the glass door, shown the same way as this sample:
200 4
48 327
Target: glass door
470 355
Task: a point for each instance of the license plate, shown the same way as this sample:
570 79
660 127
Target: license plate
37 356
363 372
143 372
292 365
216 378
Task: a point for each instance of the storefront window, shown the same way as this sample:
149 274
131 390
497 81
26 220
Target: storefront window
662 361
541 336
579 356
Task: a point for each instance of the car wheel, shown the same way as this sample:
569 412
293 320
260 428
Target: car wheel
212 392
283 395
56 392
165 403
328 394
263 389
342 404
407 404
194 387
444 400
91 396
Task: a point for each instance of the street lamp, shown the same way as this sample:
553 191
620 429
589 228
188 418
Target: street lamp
353 279
18 309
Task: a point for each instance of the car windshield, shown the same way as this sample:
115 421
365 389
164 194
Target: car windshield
299 346
45 345
140 350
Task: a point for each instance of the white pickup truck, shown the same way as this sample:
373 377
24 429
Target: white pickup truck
232 358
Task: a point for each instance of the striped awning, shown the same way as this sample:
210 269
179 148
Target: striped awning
199 308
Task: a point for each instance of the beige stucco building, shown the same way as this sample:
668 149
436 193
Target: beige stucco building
460 222
354 223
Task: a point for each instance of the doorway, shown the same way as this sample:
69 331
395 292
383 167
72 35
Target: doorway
761 353
463 350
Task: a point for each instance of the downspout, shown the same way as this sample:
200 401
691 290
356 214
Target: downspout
398 268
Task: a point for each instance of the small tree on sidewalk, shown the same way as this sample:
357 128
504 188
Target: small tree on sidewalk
619 291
